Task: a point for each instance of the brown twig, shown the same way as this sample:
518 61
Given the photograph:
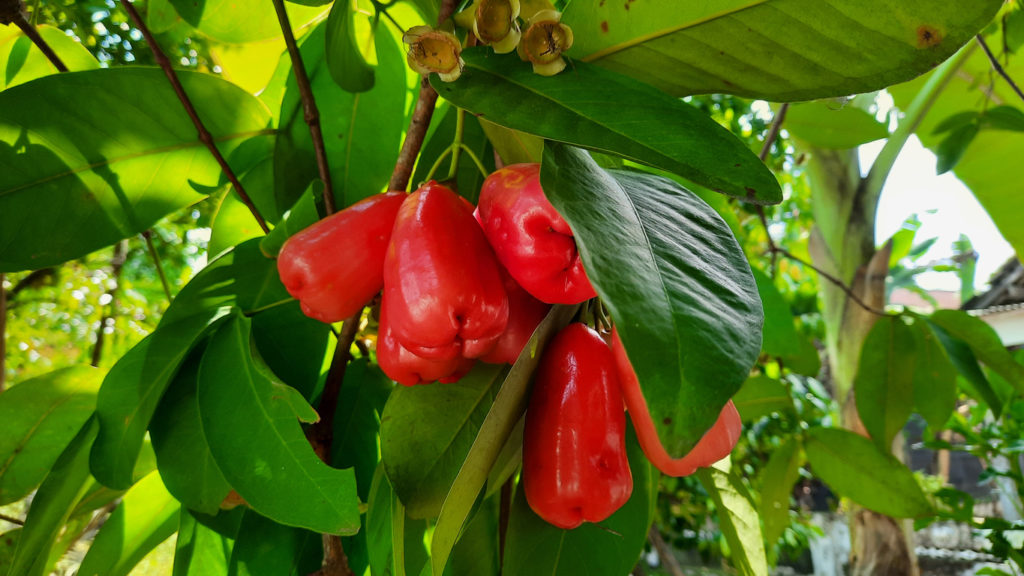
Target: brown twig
12 520
998 67
204 135
29 30
3 334
769 139
838 283
311 113
668 559
148 236
116 265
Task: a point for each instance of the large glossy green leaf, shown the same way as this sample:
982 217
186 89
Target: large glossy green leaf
40 416
884 384
761 396
201 549
53 503
70 187
362 132
236 21
187 467
989 165
146 516
984 342
610 548
774 49
603 111
507 410
21 60
266 548
777 481
935 391
422 461
251 423
855 468
345 59
737 516
676 282
131 391
833 124
357 421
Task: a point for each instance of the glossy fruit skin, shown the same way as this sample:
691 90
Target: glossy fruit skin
442 281
334 267
532 240
524 314
716 443
408 369
575 467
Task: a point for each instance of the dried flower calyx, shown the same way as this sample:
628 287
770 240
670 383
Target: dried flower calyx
544 42
494 23
434 51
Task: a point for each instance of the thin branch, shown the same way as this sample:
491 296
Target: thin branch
838 283
22 22
668 560
3 334
418 125
116 265
773 132
998 67
204 135
148 236
311 113
12 520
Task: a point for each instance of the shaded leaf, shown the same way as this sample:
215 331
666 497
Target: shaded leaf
200 549
345 59
40 416
21 60
953 147
935 391
972 380
833 124
884 384
779 337
592 108
855 468
983 341
675 281
357 422
777 481
761 396
266 548
737 516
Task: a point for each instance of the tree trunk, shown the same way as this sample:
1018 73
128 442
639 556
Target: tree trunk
843 244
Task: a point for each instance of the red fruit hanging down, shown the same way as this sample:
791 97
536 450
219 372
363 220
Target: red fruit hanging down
334 267
441 278
409 369
532 240
575 467
716 443
524 314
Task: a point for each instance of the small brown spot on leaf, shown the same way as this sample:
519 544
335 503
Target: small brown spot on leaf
751 193
737 165
928 36
604 26
667 421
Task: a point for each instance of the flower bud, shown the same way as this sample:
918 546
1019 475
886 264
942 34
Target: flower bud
544 41
434 51
495 24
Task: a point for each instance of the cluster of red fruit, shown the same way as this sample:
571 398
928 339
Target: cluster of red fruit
461 284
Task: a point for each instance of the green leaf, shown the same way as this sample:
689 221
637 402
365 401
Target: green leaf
855 468
381 534
238 21
833 124
110 183
935 392
984 342
884 384
357 421
777 481
345 59
303 214
676 283
506 411
266 548
146 516
762 396
973 380
779 332
40 417
53 503
602 111
1004 118
610 548
737 517
422 461
21 60
8 543
258 444
186 465
774 49
292 344
477 551
513 146
201 549
953 147
362 132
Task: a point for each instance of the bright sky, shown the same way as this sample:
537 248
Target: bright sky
913 187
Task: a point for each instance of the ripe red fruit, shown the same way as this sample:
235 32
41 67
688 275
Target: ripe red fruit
408 369
533 242
524 314
445 293
716 443
575 467
335 266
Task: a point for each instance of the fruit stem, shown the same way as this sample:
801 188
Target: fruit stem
456 147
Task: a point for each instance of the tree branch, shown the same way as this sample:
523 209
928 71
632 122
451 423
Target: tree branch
311 113
769 139
998 67
12 520
204 135
148 236
116 265
668 560
14 12
3 334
